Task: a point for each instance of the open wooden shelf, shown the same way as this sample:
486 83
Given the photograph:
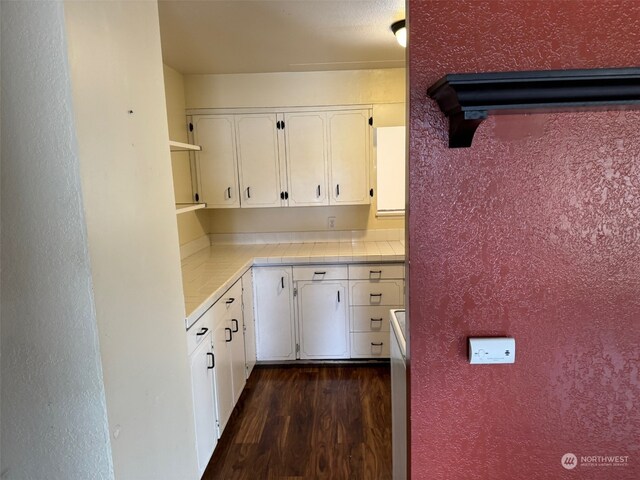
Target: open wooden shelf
189 207
183 147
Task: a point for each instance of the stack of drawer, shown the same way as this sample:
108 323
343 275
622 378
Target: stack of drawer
373 290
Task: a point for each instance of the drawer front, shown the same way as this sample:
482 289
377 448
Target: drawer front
229 305
198 331
321 272
374 272
370 345
384 292
370 319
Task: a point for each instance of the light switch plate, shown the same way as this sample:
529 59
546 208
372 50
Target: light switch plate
489 350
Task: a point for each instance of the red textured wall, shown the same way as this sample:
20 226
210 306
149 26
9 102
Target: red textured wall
533 232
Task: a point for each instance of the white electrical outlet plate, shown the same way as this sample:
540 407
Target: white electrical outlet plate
331 222
489 350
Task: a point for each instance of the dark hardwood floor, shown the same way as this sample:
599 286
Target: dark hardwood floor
309 422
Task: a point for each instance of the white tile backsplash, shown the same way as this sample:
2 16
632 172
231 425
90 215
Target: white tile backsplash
350 236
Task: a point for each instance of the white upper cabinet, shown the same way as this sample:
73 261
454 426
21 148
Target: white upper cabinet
216 164
302 158
259 160
349 147
306 158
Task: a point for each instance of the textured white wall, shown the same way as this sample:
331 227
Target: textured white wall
125 165
54 423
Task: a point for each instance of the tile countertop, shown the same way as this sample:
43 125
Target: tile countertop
209 273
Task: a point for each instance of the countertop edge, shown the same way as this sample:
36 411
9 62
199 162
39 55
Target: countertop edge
194 315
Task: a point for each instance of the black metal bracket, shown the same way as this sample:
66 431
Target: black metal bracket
468 98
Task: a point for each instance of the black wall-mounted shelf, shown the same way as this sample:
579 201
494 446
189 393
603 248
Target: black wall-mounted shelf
468 98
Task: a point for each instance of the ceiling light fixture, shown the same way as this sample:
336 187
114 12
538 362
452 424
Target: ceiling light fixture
399 29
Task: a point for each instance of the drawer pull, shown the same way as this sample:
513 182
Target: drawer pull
230 300
319 273
377 344
375 295
376 319
235 323
375 272
230 335
202 331
213 361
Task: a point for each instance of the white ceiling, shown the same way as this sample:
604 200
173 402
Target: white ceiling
241 36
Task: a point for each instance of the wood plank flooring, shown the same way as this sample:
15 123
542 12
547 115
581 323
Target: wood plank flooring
309 422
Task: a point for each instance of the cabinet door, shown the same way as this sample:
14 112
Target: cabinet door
201 361
349 146
322 319
216 164
259 161
306 141
222 338
274 313
249 322
238 369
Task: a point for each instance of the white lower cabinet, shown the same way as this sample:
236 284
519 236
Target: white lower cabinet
228 348
374 289
275 332
248 317
323 319
202 386
222 337
218 364
339 311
